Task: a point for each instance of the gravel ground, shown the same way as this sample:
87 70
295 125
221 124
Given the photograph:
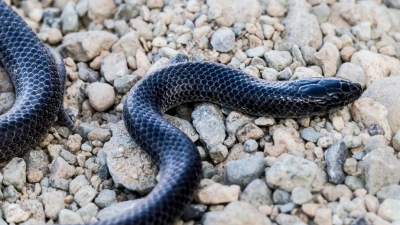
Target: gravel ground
338 168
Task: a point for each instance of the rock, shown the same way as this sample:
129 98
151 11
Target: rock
309 134
385 91
281 197
354 183
288 219
68 217
289 138
227 13
84 46
69 18
389 209
362 31
100 134
85 195
290 172
61 169
116 209
376 66
389 192
129 44
396 141
285 74
249 131
236 213
323 216
256 51
257 193
208 121
77 183
124 83
275 9
106 198
101 96
352 72
99 10
128 164
335 156
53 203
215 193
184 126
367 111
250 146
14 173
333 193
321 11
278 60
298 19
113 66
14 214
301 195
328 58
244 170
375 142
218 153
346 53
377 163
223 40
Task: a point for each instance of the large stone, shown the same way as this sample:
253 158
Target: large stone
226 13
299 20
381 169
376 66
386 92
236 213
84 46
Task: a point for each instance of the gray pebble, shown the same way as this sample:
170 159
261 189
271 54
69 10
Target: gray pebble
278 60
105 198
280 197
250 145
389 192
68 156
270 74
375 142
14 173
396 141
301 195
10 194
244 170
285 74
321 11
67 216
354 183
352 141
69 18
308 54
335 157
218 153
257 193
256 51
223 40
125 83
85 195
209 172
310 134
287 207
375 129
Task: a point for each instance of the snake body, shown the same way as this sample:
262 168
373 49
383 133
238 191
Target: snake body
39 94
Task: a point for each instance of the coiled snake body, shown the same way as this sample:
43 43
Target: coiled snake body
39 94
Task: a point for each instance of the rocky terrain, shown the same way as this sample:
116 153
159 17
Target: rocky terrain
338 168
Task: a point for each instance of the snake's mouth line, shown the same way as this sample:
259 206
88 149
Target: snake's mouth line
161 112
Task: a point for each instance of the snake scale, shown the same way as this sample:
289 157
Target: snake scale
36 77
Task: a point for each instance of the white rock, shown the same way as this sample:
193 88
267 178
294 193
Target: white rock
215 193
99 10
328 58
375 65
113 66
101 96
368 111
234 11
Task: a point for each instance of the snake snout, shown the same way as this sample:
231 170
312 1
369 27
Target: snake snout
330 93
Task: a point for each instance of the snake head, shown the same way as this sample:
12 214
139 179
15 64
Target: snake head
328 94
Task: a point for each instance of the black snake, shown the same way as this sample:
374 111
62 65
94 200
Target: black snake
39 94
